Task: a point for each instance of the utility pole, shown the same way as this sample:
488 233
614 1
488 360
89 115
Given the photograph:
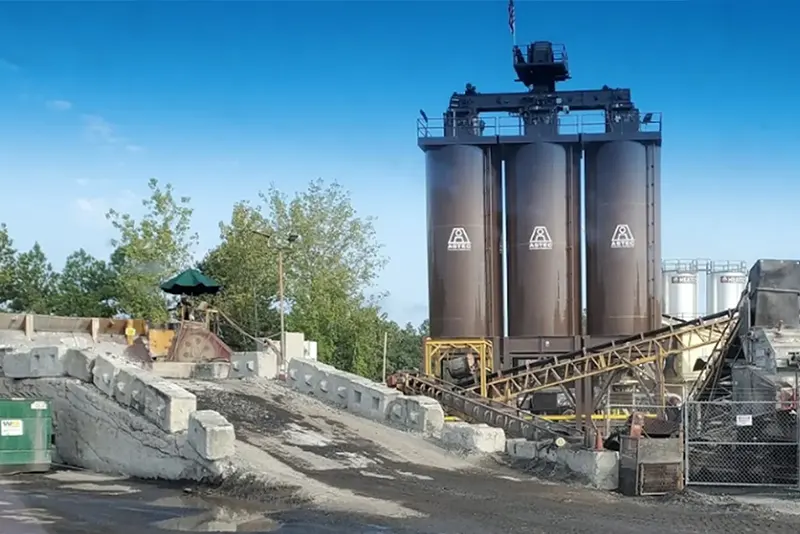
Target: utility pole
282 360
385 347
290 238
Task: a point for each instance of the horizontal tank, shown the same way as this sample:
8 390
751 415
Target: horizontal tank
680 289
623 238
726 282
543 239
464 255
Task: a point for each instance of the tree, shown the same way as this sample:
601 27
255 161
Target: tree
151 250
85 287
8 257
327 271
243 264
34 282
405 346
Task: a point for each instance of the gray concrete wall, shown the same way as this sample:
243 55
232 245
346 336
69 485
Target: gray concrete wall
113 416
378 402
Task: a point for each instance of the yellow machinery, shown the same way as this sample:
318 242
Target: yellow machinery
452 360
493 397
186 341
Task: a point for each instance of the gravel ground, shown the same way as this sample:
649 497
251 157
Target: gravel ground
450 494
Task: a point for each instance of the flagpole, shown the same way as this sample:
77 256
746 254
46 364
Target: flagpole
512 22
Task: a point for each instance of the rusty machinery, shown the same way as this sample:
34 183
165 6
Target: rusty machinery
183 341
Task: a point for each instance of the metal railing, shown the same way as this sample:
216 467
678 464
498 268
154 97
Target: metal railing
559 53
514 126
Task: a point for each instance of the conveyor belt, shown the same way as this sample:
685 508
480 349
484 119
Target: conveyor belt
470 406
504 388
709 376
634 351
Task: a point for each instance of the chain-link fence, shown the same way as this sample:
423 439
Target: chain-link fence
741 443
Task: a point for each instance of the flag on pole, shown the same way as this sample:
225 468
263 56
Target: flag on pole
512 19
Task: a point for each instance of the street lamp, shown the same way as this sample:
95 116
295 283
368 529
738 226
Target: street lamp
290 238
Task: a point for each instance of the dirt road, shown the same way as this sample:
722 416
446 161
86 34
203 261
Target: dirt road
458 495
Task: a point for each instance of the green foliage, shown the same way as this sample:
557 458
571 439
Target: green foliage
85 287
151 250
34 282
329 255
7 265
244 264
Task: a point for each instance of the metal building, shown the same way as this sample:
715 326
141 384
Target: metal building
623 238
680 289
726 282
543 239
464 233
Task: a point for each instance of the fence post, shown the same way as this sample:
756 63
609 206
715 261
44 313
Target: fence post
686 408
797 423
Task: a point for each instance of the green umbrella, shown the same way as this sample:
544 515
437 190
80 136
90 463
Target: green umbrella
191 282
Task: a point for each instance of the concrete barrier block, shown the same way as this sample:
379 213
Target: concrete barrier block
474 438
369 399
211 435
599 468
305 376
125 387
262 364
425 415
184 370
331 386
38 363
310 350
294 342
104 373
166 404
135 392
79 364
212 371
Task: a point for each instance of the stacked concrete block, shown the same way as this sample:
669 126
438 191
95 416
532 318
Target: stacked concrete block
295 345
200 370
599 468
39 362
369 399
80 364
104 374
261 364
375 401
417 414
322 381
168 405
310 350
129 387
364 397
211 435
475 438
332 385
162 402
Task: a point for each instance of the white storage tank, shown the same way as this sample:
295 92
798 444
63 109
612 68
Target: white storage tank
680 289
726 282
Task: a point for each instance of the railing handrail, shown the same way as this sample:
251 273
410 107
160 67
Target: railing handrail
513 125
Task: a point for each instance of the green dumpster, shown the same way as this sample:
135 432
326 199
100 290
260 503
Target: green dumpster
26 428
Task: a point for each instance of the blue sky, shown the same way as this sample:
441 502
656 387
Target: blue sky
221 99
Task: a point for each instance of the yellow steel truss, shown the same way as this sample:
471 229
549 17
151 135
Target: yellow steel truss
438 351
648 348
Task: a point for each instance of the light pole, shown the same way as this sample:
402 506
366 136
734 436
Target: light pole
290 238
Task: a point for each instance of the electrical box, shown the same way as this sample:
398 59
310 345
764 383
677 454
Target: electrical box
26 430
